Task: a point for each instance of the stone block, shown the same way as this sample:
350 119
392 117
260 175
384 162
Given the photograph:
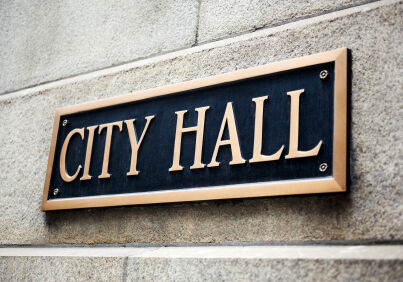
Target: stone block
26 268
227 269
224 18
47 40
371 210
213 263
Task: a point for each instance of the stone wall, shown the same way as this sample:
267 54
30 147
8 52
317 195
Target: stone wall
59 53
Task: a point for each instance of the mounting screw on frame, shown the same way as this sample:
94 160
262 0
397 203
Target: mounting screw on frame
65 122
55 191
323 74
323 167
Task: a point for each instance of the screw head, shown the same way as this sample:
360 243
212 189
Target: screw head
323 167
323 74
55 192
65 122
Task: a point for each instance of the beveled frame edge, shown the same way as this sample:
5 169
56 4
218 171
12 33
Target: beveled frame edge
335 183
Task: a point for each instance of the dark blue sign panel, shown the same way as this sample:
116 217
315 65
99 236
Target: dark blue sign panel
269 130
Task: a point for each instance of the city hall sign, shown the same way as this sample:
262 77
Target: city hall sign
276 129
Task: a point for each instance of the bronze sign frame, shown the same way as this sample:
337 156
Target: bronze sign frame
334 183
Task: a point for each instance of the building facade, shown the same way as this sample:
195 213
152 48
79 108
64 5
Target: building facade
60 53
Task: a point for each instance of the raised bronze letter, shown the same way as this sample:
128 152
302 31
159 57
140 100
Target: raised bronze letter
257 145
108 138
199 128
228 119
294 128
87 163
63 173
135 145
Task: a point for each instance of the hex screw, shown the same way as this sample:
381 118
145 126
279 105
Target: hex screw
323 167
65 122
55 192
323 74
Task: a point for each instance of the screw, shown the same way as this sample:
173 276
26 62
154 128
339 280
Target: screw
323 167
65 122
323 74
55 192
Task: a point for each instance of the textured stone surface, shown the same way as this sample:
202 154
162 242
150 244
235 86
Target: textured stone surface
61 269
47 40
253 263
223 18
188 269
193 269
372 210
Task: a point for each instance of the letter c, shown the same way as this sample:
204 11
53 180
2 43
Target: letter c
63 173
